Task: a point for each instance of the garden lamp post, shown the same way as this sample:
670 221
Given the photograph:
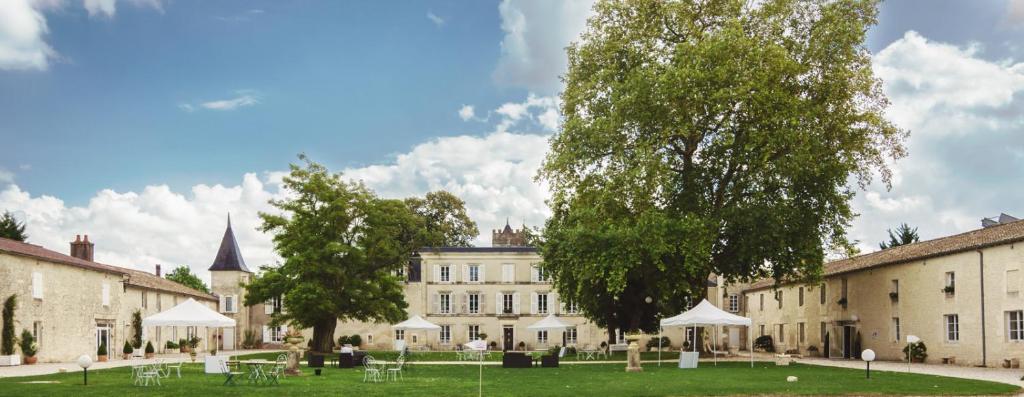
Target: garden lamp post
85 361
911 340
868 356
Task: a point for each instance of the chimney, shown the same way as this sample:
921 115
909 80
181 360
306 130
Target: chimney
82 248
158 270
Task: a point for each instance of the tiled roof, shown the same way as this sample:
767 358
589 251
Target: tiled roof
137 278
526 249
1000 234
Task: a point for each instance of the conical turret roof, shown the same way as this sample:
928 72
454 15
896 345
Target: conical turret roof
229 256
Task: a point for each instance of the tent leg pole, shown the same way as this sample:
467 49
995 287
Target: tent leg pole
659 345
714 340
750 341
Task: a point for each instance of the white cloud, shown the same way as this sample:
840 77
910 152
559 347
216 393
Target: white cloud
466 112
536 34
492 173
22 31
243 98
107 8
964 114
541 109
435 19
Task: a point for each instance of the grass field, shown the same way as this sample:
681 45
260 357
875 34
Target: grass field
567 380
451 356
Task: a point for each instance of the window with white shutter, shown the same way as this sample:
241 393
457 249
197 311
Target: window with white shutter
105 294
220 303
437 273
268 307
534 274
508 273
37 285
266 334
515 303
483 276
533 303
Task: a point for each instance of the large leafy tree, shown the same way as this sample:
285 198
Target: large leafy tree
340 246
182 275
709 137
11 228
904 235
445 222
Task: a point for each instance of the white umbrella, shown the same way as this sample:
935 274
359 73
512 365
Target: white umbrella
549 323
479 345
416 323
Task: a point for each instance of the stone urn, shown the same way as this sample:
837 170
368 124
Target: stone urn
633 354
294 345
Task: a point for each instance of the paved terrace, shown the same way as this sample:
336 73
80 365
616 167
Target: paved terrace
52 368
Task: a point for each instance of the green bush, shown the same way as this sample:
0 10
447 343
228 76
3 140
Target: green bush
553 350
653 342
149 348
920 351
355 340
764 342
342 340
250 340
570 350
194 342
137 329
102 350
127 349
7 338
28 344
171 345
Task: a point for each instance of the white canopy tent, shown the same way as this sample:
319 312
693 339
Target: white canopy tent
549 323
416 323
705 314
189 314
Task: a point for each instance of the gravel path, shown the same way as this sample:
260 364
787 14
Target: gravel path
1002 375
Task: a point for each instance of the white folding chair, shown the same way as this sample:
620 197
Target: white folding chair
396 370
370 370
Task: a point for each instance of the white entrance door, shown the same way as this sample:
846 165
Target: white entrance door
734 337
103 336
229 339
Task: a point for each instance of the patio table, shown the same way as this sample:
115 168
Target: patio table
588 354
257 370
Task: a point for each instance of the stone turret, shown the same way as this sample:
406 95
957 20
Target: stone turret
508 237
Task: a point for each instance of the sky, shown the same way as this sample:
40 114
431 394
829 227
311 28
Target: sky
143 123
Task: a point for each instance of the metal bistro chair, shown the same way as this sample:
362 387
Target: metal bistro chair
370 369
148 372
396 370
168 367
274 375
229 376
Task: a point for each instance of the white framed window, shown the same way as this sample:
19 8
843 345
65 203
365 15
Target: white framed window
273 305
1015 325
229 304
734 303
952 327
542 337
537 274
801 297
508 303
145 299
473 332
446 273
37 332
369 338
473 274
571 307
446 334
159 303
782 334
399 334
273 334
37 285
571 336
950 281
896 329
800 332
508 273
474 303
105 294
542 303
445 303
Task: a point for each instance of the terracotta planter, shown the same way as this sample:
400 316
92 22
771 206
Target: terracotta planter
101 359
30 360
150 355
125 356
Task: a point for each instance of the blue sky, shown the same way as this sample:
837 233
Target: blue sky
143 122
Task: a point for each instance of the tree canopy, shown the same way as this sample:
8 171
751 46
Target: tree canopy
341 245
904 235
445 221
184 276
11 228
709 137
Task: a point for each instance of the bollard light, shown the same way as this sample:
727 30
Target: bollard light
85 361
868 356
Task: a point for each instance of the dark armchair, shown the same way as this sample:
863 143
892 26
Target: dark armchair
549 361
516 360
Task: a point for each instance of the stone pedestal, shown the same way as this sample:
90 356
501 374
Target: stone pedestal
633 357
294 356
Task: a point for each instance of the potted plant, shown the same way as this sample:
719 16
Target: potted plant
28 347
7 354
653 345
920 352
812 351
343 340
126 352
949 289
493 345
842 301
894 296
481 336
170 345
213 351
150 351
101 352
192 344
522 345
183 345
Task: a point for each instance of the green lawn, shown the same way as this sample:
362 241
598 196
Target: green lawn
494 356
568 380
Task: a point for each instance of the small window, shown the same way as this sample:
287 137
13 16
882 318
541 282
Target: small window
896 329
474 332
229 304
571 336
446 303
474 273
952 327
800 331
1015 325
778 297
415 339
823 331
734 303
895 286
446 334
761 330
822 293
145 299
542 303
801 297
446 273
950 286
542 337
474 303
762 303
37 285
105 294
159 304
782 333
37 332
369 338
399 334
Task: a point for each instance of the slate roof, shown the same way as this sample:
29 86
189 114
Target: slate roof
137 278
229 256
516 249
1000 234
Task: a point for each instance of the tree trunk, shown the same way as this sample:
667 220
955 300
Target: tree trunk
323 335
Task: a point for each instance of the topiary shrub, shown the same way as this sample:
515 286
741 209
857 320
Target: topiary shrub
137 329
764 342
102 350
149 348
343 340
355 340
920 351
127 349
28 344
653 342
7 336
